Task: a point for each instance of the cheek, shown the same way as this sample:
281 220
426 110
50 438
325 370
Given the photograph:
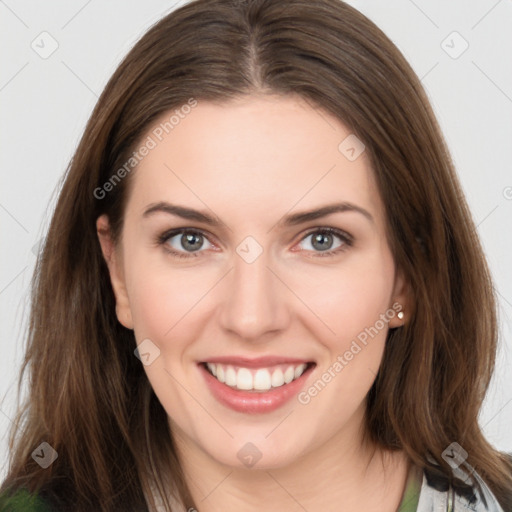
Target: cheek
162 303
351 303
161 299
350 297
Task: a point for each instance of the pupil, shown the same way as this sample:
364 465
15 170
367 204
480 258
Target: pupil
189 241
321 238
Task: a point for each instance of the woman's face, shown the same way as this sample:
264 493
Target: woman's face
223 263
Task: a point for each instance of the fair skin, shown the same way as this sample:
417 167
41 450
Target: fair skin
249 163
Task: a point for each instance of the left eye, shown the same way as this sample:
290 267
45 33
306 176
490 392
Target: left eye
322 240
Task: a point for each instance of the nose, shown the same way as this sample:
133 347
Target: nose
257 302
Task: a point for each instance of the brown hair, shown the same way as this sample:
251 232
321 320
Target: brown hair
89 396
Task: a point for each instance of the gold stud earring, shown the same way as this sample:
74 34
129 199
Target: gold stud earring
400 315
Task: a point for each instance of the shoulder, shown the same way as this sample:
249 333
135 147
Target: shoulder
23 501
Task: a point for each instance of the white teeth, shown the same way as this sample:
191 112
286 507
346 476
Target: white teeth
212 368
230 376
220 373
289 374
299 371
277 378
244 379
262 379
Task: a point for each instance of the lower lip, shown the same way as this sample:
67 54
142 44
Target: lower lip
254 402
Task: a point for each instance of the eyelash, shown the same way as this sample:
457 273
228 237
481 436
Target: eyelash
345 238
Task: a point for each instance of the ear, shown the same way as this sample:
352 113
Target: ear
401 301
113 258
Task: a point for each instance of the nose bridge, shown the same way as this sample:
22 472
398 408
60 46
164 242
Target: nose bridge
255 303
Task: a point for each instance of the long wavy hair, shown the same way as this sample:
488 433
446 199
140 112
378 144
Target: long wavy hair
89 396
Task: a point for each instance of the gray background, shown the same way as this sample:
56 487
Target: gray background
46 102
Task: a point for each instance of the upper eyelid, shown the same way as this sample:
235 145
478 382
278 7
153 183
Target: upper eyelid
171 233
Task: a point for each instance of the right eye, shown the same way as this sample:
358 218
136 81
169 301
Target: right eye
183 243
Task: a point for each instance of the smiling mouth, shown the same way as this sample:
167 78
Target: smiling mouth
260 380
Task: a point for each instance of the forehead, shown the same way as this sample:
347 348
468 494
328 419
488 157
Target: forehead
259 153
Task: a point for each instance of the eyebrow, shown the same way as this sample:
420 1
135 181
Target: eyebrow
287 220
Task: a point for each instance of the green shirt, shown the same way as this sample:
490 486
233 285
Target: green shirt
412 491
23 501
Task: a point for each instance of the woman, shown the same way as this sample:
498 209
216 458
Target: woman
261 287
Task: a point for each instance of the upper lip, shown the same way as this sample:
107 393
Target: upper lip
256 362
